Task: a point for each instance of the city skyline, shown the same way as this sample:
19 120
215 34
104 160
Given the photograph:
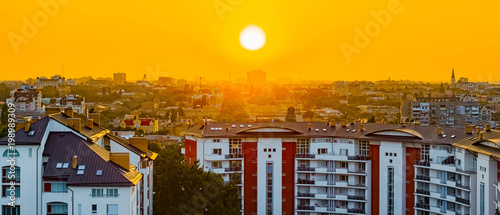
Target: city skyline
420 40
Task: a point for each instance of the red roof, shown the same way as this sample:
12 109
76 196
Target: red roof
145 122
129 122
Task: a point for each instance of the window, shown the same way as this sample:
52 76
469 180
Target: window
97 193
234 146
424 154
322 151
7 189
269 204
9 153
216 151
216 140
343 178
112 209
56 187
8 175
112 193
390 191
94 209
481 199
303 146
216 164
9 210
30 152
364 147
79 209
57 208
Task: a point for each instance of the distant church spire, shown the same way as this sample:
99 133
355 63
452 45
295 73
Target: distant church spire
452 75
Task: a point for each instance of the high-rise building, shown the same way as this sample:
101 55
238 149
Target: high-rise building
328 168
119 78
256 77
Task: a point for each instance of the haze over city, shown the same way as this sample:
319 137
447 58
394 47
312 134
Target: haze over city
420 40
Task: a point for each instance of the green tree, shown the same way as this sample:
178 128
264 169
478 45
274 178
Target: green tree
290 115
371 120
5 112
308 114
50 92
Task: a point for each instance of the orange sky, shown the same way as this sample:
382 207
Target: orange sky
423 39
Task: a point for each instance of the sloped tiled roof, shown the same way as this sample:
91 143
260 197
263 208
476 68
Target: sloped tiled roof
22 138
96 131
130 147
60 147
473 143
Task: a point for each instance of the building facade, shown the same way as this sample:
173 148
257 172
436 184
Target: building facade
328 168
27 98
66 166
76 102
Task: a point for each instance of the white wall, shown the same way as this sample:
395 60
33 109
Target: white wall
262 159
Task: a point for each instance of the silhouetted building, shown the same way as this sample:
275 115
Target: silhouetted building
119 78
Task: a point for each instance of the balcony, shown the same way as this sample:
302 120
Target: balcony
232 169
305 156
423 177
356 197
305 207
358 171
423 206
233 156
463 186
357 185
305 195
355 210
463 201
423 163
423 191
359 158
305 169
305 181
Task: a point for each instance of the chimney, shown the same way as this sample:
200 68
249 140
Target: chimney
205 121
74 161
333 123
51 110
96 117
309 126
140 142
75 123
478 130
352 121
343 123
361 127
122 159
69 112
480 135
89 124
468 128
27 126
227 126
439 131
488 127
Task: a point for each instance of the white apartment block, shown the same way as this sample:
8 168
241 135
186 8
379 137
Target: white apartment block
327 168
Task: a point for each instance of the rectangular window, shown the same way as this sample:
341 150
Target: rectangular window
7 191
424 154
97 193
482 210
9 210
269 203
322 151
216 140
303 146
79 209
216 151
234 146
112 192
8 175
58 187
390 191
57 208
112 209
94 209
30 152
216 164
364 147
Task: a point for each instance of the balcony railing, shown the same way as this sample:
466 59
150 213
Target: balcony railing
462 186
232 169
305 207
229 156
358 157
305 155
305 181
423 177
423 191
357 171
423 206
355 210
305 168
423 163
463 201
305 194
356 197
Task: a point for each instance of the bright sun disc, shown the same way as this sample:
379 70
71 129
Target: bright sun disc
252 37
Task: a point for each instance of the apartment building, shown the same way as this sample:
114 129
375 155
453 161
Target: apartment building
76 102
27 98
66 165
328 168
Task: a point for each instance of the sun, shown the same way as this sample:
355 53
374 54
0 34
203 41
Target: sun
252 37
